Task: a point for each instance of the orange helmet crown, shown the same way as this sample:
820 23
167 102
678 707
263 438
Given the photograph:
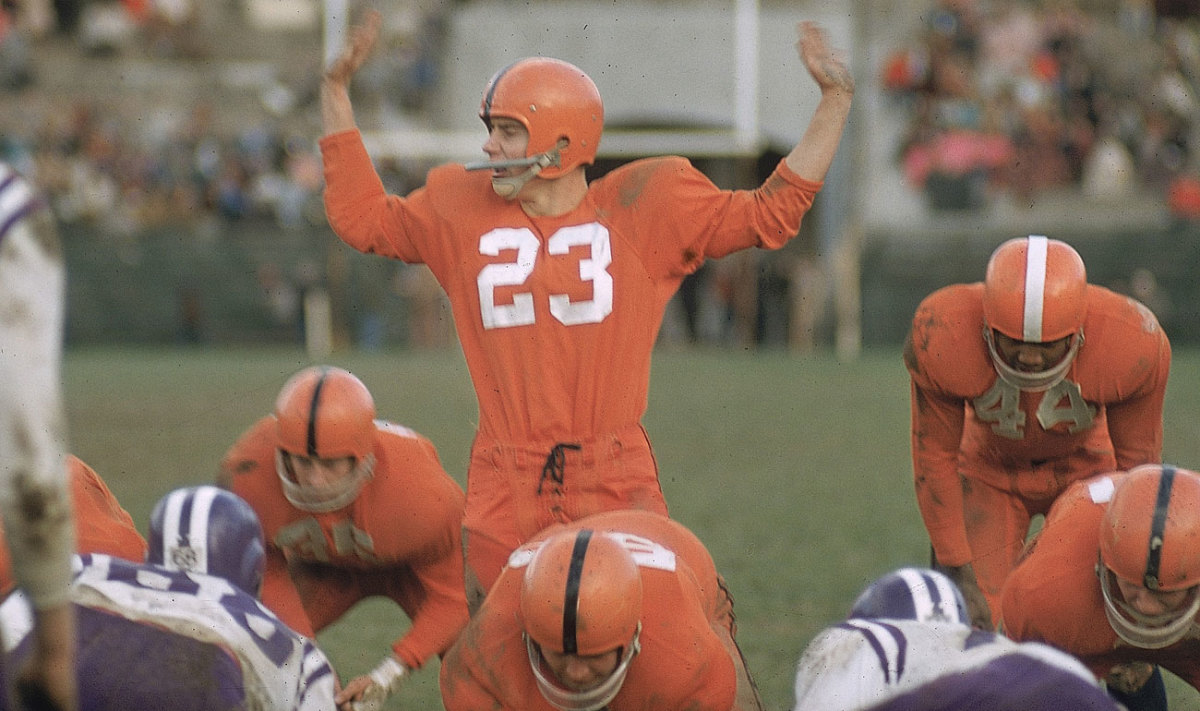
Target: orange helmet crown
555 101
1035 290
325 412
1151 530
582 594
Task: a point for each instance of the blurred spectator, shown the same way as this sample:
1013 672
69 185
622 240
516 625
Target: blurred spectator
16 67
282 299
1029 96
1183 197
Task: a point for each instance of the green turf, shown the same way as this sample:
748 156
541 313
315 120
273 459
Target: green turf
794 470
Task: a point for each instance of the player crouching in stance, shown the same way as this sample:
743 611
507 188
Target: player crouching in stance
353 507
908 645
1114 578
1022 384
621 611
184 631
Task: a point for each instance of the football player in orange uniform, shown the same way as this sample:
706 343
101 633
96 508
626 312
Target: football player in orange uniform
1114 578
352 507
621 610
101 524
558 286
1021 385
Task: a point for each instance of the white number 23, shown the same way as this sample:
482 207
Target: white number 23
510 274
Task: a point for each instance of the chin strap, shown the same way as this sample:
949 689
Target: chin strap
386 679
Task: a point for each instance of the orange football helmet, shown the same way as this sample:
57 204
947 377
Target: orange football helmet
325 413
581 595
1035 290
1150 537
560 107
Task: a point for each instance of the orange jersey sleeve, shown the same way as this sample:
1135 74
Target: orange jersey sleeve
947 365
487 668
1125 368
585 291
415 518
101 524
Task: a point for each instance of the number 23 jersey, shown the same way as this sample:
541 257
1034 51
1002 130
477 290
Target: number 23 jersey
558 316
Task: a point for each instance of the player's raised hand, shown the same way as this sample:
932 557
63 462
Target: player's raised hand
362 41
826 65
337 114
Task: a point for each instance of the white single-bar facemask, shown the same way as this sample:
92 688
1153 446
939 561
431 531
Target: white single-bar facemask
1139 629
324 499
1032 382
592 699
508 186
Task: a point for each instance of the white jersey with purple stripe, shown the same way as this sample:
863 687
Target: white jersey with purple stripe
32 425
862 663
262 665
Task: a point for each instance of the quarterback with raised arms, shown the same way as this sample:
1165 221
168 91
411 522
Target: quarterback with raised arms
558 286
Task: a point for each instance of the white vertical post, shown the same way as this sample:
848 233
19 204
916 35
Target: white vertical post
318 324
745 78
335 24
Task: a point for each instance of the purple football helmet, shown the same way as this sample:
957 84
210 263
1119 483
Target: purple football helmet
206 529
920 594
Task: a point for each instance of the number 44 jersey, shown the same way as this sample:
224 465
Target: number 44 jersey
968 422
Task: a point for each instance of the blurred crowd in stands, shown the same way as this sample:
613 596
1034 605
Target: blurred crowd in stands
1000 99
1014 97
133 168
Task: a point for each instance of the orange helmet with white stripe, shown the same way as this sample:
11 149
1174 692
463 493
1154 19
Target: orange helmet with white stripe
1035 291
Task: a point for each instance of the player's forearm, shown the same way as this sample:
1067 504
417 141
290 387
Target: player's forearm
940 500
1135 428
433 631
337 113
813 155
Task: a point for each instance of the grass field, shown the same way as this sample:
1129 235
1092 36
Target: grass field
794 470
